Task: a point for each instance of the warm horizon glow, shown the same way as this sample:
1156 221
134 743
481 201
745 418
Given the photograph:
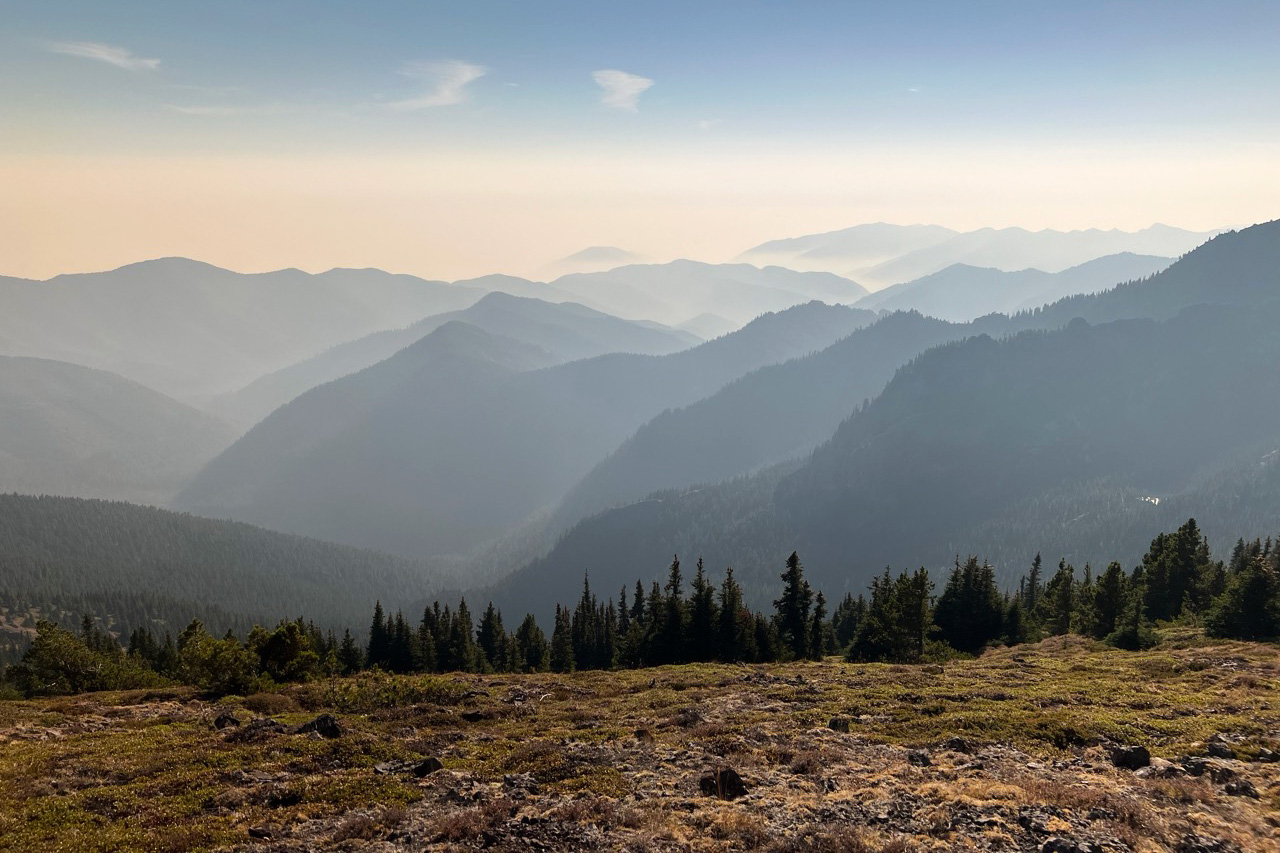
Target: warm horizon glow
502 144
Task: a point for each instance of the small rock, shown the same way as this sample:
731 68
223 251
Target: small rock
839 724
1241 788
1201 844
1160 769
723 782
427 766
261 832
644 736
1065 845
1217 749
224 720
932 669
283 797
256 730
325 725
918 758
958 744
1267 755
473 716
1130 757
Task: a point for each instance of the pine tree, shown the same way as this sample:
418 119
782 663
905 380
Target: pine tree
492 639
1109 599
1249 607
792 609
1057 603
562 642
702 617
846 619
672 639
970 612
818 628
379 640
349 657
533 653
736 632
1033 588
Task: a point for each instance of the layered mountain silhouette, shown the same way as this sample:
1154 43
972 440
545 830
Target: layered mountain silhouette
72 430
192 330
970 439
961 292
927 250
565 331
454 440
678 291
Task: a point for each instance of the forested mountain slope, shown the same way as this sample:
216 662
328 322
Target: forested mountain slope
137 566
446 459
72 430
982 431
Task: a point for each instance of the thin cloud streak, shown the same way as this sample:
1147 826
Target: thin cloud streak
110 54
621 90
448 80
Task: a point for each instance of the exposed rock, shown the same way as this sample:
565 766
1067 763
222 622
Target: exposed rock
839 724
261 832
427 766
474 716
1241 788
1065 845
918 758
325 725
422 768
1201 844
1218 749
256 730
1130 757
644 736
957 744
723 782
224 720
932 669
1160 769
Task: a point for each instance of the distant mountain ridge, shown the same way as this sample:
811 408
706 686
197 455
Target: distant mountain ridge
961 292
565 331
429 461
972 434
928 249
75 431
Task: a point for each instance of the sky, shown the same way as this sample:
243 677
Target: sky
451 140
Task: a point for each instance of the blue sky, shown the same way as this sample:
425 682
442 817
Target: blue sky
840 84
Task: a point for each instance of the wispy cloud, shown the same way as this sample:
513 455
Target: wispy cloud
447 80
621 90
110 54
708 124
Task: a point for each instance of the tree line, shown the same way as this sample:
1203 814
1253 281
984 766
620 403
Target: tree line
899 619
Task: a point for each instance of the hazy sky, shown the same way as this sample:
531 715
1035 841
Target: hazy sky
456 139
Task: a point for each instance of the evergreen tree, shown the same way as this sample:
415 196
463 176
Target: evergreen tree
1033 588
672 639
1109 598
1015 628
970 612
792 609
532 652
350 658
819 631
379 641
462 647
492 639
1249 607
1058 601
562 642
846 619
736 640
702 617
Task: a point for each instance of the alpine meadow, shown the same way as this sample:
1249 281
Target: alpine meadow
655 427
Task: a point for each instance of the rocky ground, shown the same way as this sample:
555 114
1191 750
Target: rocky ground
1064 747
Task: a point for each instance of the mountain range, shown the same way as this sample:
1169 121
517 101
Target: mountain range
929 249
458 438
971 435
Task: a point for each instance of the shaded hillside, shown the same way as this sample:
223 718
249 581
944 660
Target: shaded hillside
443 458
565 331
192 330
961 292
772 414
71 430
140 566
672 293
348 460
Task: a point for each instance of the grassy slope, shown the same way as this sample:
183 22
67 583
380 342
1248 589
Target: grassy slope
146 771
